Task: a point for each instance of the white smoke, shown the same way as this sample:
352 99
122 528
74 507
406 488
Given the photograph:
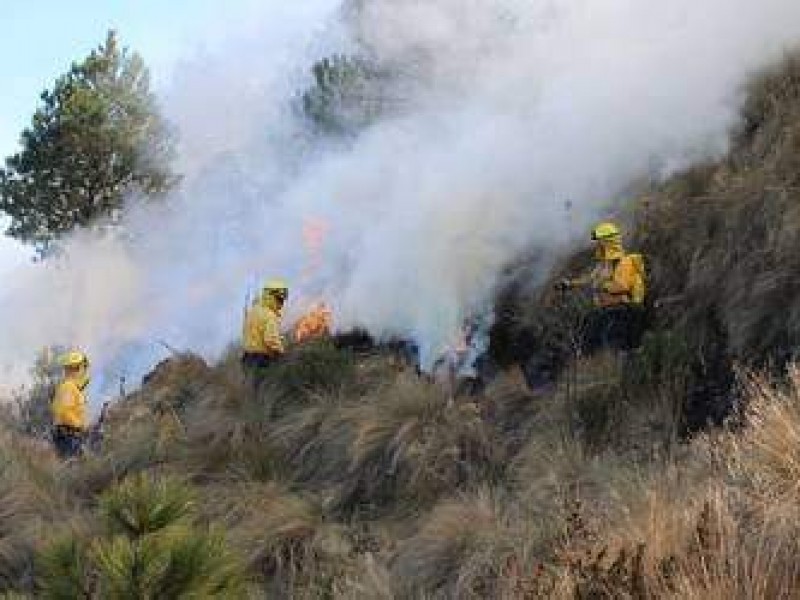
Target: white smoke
509 108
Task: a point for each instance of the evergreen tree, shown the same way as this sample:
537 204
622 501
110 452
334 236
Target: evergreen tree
348 94
96 138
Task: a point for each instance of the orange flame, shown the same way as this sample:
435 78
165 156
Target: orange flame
315 231
315 324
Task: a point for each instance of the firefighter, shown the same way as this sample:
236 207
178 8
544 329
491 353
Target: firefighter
69 405
262 342
618 286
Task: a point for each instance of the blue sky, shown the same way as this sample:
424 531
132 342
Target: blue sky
39 39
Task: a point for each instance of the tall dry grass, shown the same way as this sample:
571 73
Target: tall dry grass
720 523
288 542
35 504
404 445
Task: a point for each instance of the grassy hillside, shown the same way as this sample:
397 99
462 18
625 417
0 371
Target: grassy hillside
347 476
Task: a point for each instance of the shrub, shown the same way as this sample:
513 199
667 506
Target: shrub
67 570
142 505
152 547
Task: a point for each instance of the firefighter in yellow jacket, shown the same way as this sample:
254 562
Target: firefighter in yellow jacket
262 341
618 286
69 405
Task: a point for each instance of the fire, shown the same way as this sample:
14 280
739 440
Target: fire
460 359
317 323
315 231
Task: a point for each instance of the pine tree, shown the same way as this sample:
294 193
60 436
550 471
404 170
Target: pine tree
96 138
349 94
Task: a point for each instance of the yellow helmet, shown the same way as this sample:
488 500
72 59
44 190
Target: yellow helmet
275 290
605 231
276 285
73 359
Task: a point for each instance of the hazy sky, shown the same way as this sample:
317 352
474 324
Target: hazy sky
39 40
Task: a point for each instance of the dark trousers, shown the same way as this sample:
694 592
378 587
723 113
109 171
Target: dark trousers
254 365
615 328
67 441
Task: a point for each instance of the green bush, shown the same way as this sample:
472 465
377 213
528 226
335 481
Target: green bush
152 547
177 563
143 504
66 571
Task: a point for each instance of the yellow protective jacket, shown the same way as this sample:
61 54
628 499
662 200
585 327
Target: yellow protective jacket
261 333
69 405
617 279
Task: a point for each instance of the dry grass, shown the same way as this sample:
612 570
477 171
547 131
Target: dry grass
721 523
766 457
403 445
401 493
285 538
35 504
464 549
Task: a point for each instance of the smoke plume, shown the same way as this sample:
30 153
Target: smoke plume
504 110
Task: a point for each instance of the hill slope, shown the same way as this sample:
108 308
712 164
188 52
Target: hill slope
348 476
